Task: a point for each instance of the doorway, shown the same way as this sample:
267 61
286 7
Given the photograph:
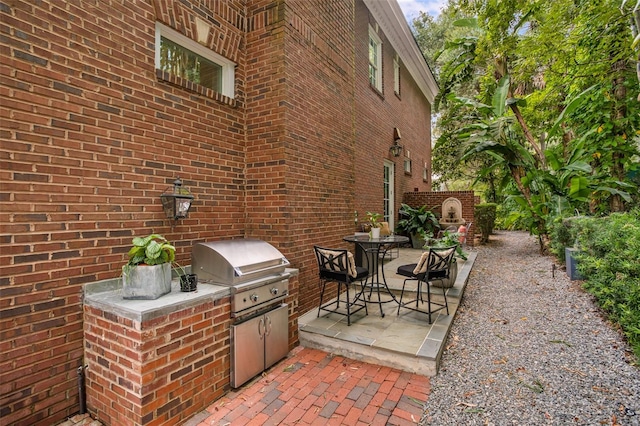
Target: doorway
389 193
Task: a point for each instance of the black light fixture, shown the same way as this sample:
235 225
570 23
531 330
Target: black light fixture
396 148
176 204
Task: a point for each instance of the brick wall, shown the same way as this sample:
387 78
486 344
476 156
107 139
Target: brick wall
159 371
318 142
92 135
376 116
91 138
434 200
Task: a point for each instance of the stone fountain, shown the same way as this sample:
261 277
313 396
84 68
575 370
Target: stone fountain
451 213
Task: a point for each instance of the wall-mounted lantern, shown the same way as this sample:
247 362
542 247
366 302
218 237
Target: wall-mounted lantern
396 148
176 204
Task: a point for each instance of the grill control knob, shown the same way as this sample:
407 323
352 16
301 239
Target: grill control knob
274 291
254 297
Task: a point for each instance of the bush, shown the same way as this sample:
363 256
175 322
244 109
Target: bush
485 217
563 233
609 259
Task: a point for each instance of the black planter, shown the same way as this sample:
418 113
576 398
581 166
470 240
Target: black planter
188 282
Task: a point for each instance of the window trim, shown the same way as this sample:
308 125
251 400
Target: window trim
228 67
407 163
396 75
373 35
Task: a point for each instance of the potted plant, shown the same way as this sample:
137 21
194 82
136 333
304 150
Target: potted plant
147 274
188 282
448 239
417 223
374 219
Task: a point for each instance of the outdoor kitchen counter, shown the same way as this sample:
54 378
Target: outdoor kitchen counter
106 295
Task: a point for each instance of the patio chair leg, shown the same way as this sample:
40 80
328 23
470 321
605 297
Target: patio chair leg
324 284
429 300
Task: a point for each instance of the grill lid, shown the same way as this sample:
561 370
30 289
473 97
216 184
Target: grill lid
231 262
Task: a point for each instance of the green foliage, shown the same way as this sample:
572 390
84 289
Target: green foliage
153 249
373 219
485 217
563 234
448 239
417 221
610 260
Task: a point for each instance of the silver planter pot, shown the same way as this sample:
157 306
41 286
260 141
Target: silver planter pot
146 282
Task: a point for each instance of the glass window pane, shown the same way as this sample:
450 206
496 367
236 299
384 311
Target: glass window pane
184 63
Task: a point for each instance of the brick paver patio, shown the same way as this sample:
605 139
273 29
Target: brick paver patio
317 388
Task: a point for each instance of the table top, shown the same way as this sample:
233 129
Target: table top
365 239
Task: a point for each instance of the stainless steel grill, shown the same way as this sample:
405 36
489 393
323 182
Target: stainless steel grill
256 273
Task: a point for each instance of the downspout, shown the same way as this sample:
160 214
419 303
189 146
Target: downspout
82 390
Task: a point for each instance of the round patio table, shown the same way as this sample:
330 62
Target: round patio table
376 248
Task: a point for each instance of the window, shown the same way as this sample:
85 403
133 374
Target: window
182 57
425 173
396 75
407 162
375 60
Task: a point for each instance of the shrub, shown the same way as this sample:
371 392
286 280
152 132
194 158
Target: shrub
609 259
485 217
563 233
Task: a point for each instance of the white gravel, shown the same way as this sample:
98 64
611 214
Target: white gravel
527 348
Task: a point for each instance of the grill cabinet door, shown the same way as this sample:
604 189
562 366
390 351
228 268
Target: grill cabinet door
247 350
277 335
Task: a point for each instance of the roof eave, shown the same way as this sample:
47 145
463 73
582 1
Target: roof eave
390 18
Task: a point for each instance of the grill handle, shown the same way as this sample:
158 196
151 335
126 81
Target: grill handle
238 271
267 328
261 328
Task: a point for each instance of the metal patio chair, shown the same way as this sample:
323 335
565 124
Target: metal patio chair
338 265
434 265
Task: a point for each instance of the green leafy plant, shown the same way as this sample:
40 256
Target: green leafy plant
153 249
417 221
609 259
485 215
448 239
374 219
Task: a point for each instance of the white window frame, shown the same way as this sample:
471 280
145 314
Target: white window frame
373 37
228 67
396 75
407 162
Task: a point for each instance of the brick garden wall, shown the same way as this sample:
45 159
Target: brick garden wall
434 200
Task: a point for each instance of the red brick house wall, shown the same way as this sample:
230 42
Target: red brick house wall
91 138
92 135
376 116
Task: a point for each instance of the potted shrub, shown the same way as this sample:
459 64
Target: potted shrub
417 223
374 221
448 239
147 274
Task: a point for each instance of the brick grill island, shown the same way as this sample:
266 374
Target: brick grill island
159 361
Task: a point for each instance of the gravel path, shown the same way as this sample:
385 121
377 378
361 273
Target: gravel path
530 349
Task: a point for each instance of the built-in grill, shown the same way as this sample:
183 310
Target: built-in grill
256 273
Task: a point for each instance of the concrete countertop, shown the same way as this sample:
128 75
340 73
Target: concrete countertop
106 295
